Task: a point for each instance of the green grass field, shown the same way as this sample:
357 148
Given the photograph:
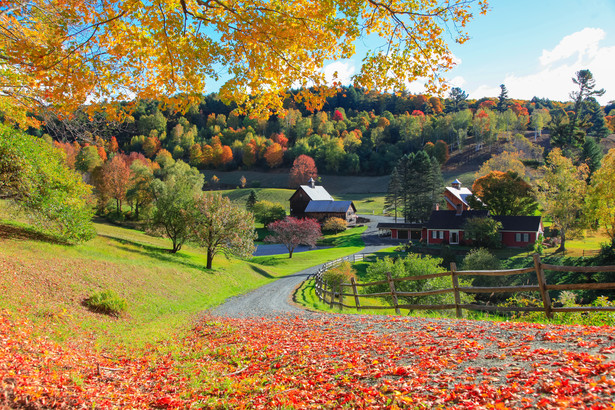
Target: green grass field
49 281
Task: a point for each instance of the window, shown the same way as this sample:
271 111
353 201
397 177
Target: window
526 237
441 233
517 237
434 234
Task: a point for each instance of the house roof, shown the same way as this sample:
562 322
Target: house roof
519 223
462 193
318 193
450 219
329 206
395 225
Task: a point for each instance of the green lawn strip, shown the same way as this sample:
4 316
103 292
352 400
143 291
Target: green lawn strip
371 204
344 244
262 194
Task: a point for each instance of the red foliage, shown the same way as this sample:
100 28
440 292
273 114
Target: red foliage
338 116
280 139
292 232
303 169
318 361
102 153
71 151
113 147
487 104
418 113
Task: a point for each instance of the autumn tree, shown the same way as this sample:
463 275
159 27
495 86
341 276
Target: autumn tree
562 193
303 169
503 193
601 195
34 176
139 191
66 53
174 202
220 226
504 162
334 225
116 179
274 155
483 232
292 232
88 159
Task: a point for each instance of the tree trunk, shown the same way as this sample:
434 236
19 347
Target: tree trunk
562 245
290 253
117 206
210 258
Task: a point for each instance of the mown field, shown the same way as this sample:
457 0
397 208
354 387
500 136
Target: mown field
47 281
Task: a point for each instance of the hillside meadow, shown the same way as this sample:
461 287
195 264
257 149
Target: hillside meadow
48 281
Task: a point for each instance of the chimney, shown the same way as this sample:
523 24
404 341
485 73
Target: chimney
456 184
312 183
459 210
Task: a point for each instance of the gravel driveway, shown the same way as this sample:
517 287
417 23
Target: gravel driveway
275 298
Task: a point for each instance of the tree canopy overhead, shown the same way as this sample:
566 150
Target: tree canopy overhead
69 52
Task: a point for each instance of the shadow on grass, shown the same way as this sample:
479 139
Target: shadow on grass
155 252
273 260
260 271
24 233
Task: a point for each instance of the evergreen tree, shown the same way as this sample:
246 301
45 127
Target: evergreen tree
456 101
251 201
586 82
422 183
591 155
503 99
393 199
595 119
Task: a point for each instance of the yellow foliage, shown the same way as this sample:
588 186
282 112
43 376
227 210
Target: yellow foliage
67 53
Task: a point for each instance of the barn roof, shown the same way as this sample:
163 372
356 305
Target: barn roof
461 194
318 193
329 206
519 223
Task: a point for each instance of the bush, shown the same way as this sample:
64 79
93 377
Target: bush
484 232
334 225
267 212
414 265
338 275
480 259
107 302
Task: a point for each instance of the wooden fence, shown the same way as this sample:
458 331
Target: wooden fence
329 296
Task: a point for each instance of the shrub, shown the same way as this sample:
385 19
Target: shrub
334 225
484 232
414 265
480 259
338 275
107 302
267 212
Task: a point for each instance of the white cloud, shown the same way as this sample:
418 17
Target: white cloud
339 71
583 43
553 80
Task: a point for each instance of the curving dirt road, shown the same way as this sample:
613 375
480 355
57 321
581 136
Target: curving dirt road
275 298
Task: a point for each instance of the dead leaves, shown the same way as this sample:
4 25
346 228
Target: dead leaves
319 362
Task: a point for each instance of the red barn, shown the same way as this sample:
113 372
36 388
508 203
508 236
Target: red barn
313 201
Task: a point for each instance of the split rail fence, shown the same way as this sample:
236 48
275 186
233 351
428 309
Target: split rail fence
328 295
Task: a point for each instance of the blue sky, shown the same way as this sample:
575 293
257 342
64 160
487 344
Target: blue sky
533 47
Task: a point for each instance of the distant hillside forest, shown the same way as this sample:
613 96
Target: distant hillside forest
355 133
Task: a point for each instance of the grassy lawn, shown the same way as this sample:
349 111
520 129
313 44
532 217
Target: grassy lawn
48 281
262 194
371 204
344 243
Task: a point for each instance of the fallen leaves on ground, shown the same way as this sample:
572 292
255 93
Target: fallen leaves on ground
319 361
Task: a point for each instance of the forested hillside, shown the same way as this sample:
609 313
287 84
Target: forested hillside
355 133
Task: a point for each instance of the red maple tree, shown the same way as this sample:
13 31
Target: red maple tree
303 169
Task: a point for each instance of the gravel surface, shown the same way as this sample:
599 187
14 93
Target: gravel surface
275 299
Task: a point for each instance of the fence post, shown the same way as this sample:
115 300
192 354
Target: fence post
393 294
341 297
356 294
455 280
331 294
542 284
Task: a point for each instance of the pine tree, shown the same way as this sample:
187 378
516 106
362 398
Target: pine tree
251 201
503 99
393 199
591 155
